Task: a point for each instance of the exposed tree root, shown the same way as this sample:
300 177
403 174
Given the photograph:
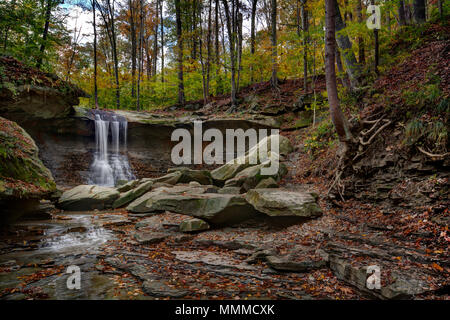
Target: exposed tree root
337 183
432 155
365 143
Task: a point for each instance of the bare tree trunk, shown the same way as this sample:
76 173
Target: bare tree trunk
376 45
181 100
401 13
360 40
239 51
217 49
202 63
230 17
140 58
48 12
305 45
194 29
208 59
155 42
337 116
116 61
94 3
351 65
224 50
149 60
440 8
162 39
274 79
253 38
419 11
133 46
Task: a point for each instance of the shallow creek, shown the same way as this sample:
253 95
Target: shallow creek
35 256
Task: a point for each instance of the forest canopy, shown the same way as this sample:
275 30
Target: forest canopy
141 54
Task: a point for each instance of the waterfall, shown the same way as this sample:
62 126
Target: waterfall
110 161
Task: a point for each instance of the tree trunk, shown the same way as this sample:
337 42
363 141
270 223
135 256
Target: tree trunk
194 29
181 100
305 46
419 11
401 13
95 55
140 58
352 67
217 50
376 45
274 79
239 50
133 47
155 42
202 62
161 5
253 38
361 53
208 59
48 12
116 61
337 116
231 40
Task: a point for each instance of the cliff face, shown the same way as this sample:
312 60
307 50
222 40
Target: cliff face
27 93
45 106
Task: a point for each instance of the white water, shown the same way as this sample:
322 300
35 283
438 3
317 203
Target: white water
110 164
57 238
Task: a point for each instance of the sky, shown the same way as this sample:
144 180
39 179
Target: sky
83 18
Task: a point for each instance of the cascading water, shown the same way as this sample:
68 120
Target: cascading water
110 162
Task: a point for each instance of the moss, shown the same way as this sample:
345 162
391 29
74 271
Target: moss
21 171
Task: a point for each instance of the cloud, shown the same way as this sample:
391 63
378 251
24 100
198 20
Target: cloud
79 18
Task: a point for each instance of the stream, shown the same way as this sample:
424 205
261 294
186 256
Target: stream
32 250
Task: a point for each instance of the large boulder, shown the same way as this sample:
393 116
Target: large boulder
250 177
88 197
215 208
252 157
130 195
283 203
23 177
140 204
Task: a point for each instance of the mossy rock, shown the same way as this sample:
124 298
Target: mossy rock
22 173
132 194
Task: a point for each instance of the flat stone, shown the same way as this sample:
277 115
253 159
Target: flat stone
158 288
287 264
211 258
88 197
213 207
283 203
150 237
